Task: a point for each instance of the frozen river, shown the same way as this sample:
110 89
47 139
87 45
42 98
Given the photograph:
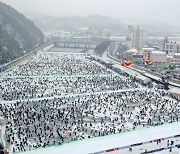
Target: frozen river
56 99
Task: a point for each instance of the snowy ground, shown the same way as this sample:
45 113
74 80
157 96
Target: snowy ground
106 102
119 140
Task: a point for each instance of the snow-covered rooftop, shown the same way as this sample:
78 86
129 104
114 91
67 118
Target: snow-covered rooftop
177 54
158 52
173 42
133 51
148 49
169 56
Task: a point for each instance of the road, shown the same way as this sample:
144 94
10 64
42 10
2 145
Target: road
145 73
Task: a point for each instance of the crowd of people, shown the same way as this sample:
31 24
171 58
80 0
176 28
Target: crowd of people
35 79
25 88
47 108
54 64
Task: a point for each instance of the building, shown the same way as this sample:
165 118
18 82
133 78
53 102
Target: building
138 58
172 47
147 52
134 38
169 59
129 37
158 57
128 55
176 59
133 55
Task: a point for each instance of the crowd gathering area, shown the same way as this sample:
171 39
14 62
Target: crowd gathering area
56 98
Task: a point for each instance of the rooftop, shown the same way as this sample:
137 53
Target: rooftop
148 49
173 42
158 52
169 56
133 51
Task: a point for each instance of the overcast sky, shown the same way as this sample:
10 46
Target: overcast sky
162 10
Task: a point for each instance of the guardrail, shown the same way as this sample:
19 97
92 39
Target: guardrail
143 143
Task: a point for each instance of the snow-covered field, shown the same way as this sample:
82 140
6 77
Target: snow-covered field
119 140
56 99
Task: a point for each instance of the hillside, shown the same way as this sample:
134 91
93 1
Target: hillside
18 35
93 22
101 24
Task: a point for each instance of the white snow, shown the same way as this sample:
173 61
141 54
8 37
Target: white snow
112 141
